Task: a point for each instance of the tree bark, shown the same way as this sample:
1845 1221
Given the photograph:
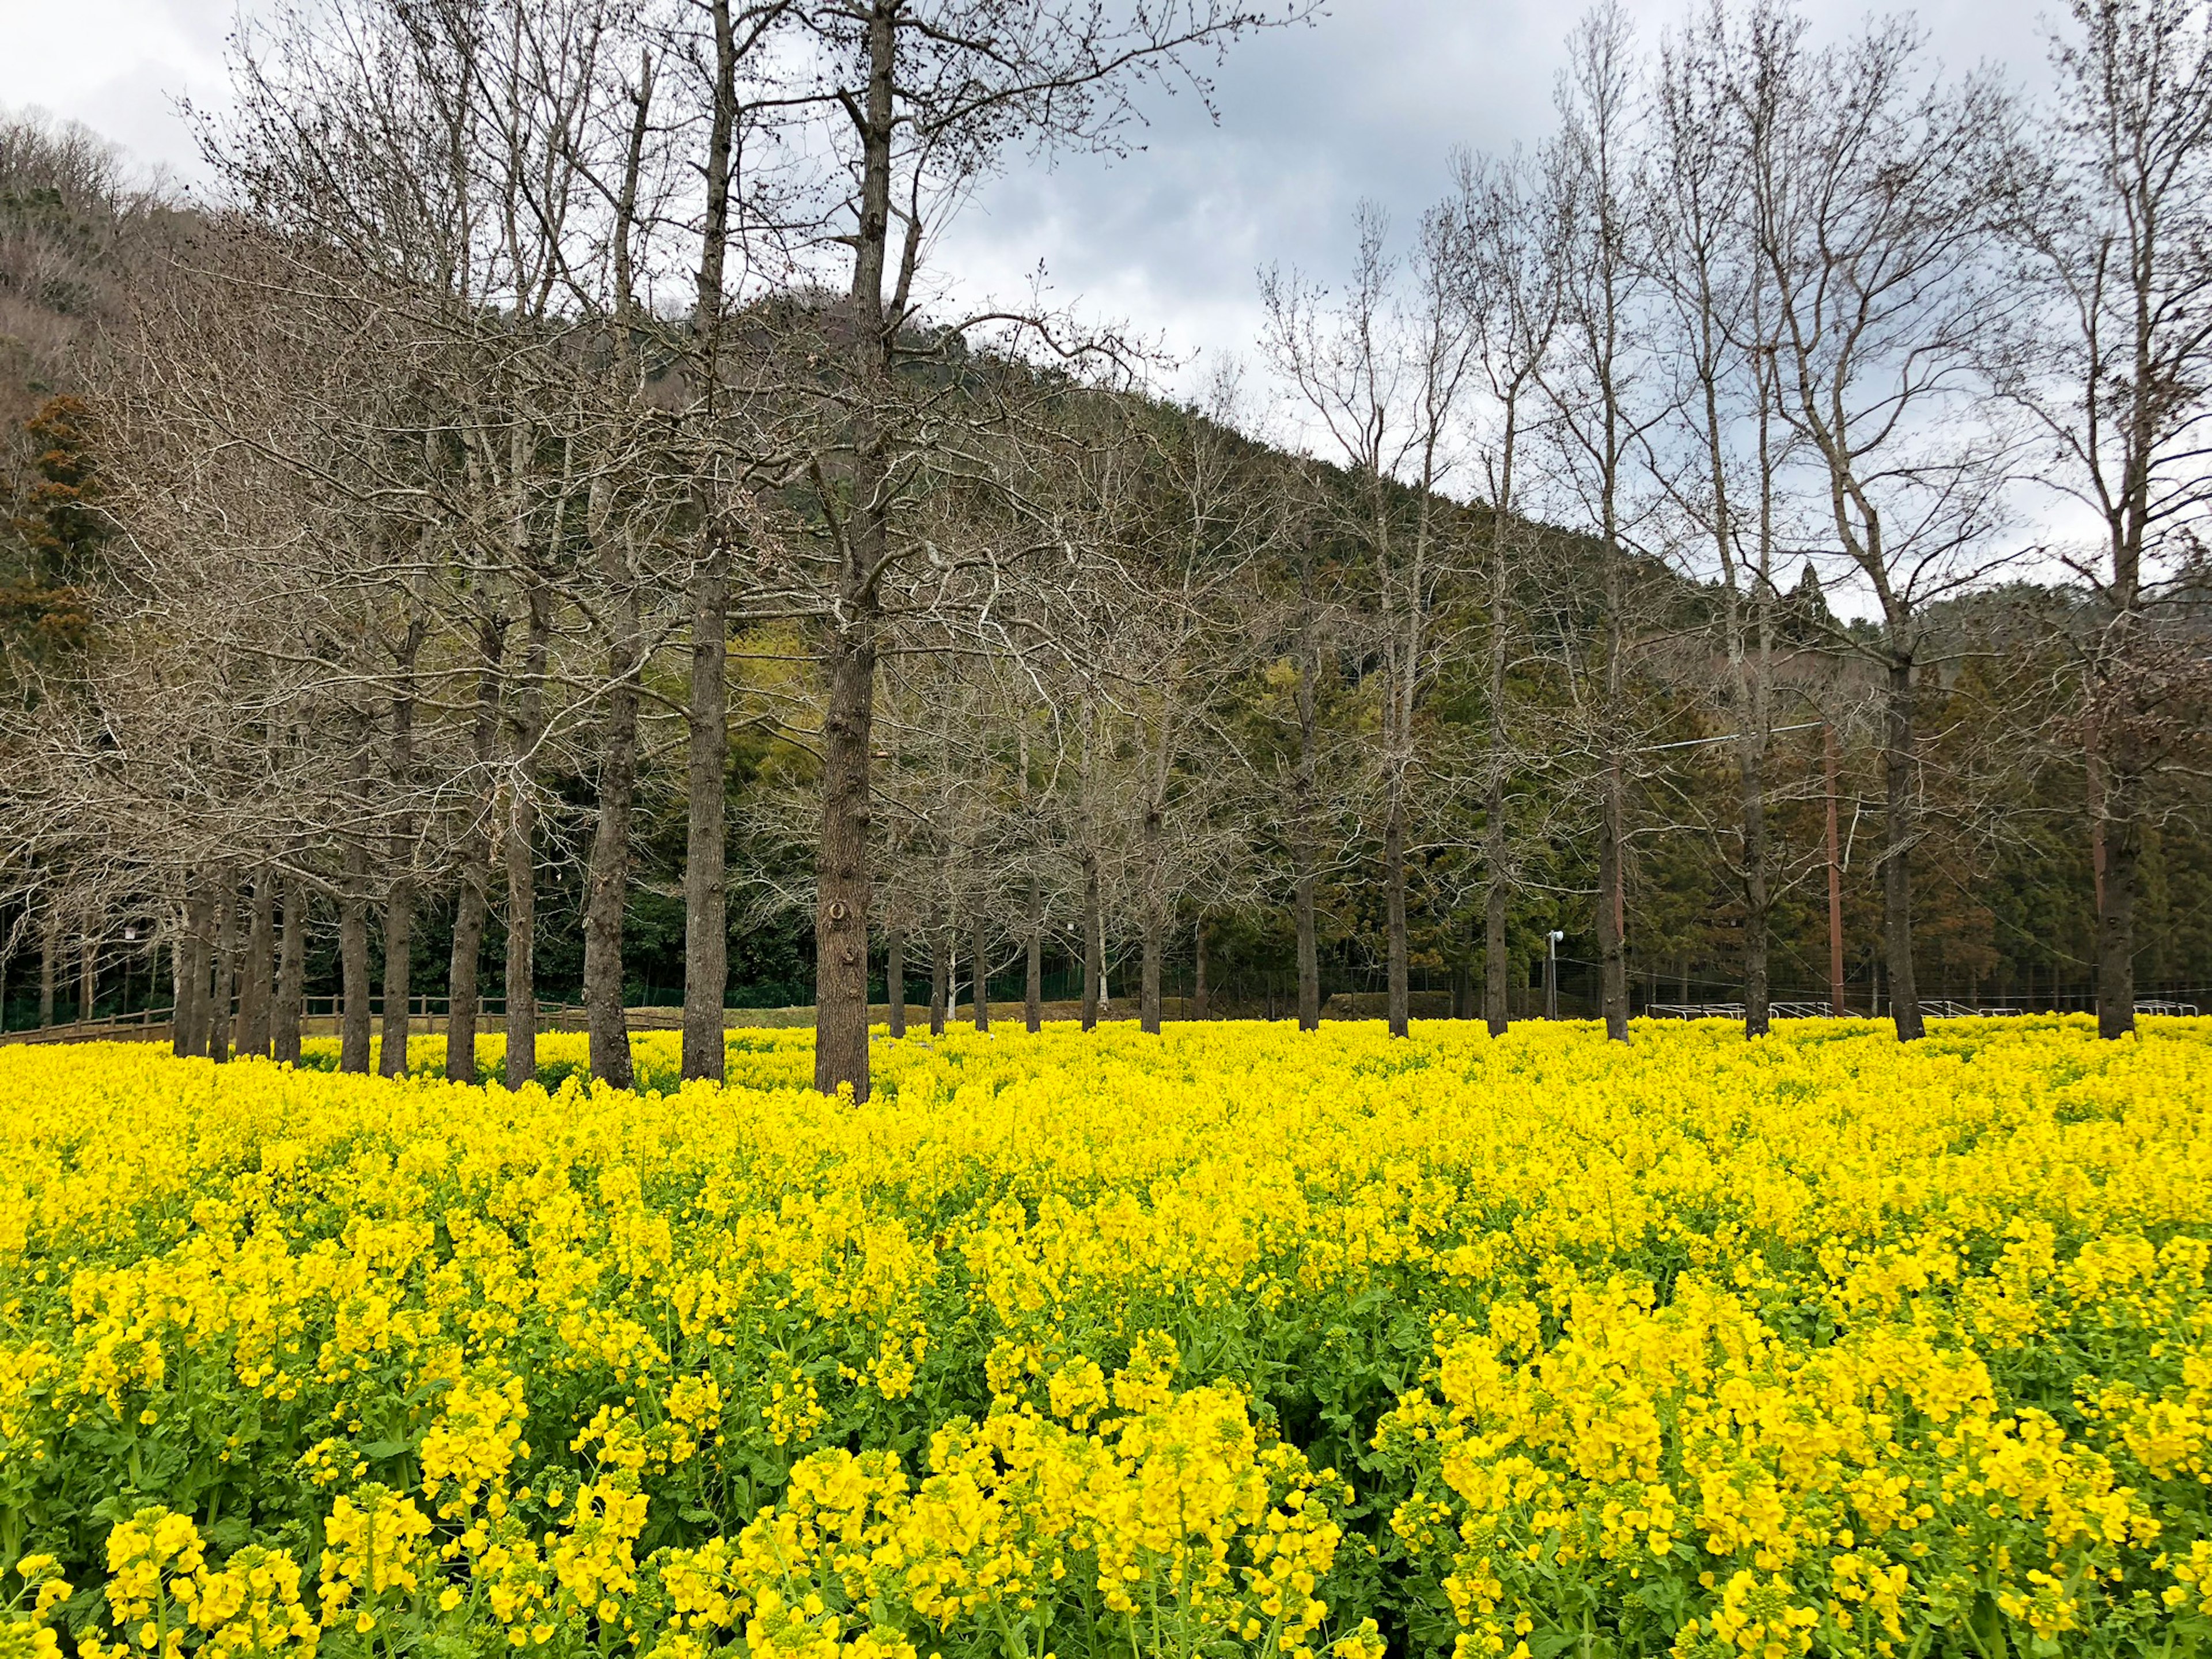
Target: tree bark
399 902
1898 759
1496 969
2116 909
291 976
1308 949
1033 952
1393 856
1148 978
705 893
260 958
1094 944
1155 938
842 882
607 887
192 953
520 1064
895 981
1752 768
87 977
1613 962
706 907
478 847
353 961
226 963
841 868
940 977
1307 809
50 946
462 989
982 972
399 987
1199 1008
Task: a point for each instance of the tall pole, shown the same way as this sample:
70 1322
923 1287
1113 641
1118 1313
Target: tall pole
1835 879
1551 975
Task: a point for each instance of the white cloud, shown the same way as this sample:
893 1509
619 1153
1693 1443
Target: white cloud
118 66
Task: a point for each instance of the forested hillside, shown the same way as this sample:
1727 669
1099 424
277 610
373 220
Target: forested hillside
529 541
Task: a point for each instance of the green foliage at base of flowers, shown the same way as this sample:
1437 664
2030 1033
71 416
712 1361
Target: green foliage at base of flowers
1236 1341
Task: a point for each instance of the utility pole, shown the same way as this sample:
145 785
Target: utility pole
1835 879
1552 973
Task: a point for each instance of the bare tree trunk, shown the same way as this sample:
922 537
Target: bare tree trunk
462 990
607 890
1094 944
844 891
895 981
940 977
1496 970
260 958
1899 760
192 955
2115 853
1613 963
50 946
1154 941
1198 1003
399 902
842 886
2116 909
399 988
87 975
1148 976
1393 856
479 845
1497 1013
1302 902
706 907
1033 944
706 725
520 1064
1752 757
983 974
353 961
226 963
1309 947
291 976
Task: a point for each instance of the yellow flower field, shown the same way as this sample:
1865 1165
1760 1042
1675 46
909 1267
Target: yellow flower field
1234 1341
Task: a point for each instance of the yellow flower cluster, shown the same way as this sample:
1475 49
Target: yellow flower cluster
1234 1341
1169 1524
162 1593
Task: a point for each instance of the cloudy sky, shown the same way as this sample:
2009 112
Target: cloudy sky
1367 102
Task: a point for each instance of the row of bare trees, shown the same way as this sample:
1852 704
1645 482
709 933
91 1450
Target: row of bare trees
565 391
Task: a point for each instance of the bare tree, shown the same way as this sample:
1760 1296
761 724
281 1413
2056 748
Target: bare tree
1601 410
1876 192
2114 366
1514 225
932 94
1385 372
1704 258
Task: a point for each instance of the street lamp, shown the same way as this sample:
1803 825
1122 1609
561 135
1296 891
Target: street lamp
1552 973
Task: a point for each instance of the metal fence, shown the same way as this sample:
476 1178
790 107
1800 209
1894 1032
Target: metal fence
1930 1007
